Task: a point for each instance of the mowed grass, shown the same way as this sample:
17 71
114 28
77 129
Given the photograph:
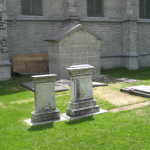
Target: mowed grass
128 130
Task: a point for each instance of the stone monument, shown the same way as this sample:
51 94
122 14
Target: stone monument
45 106
82 101
5 70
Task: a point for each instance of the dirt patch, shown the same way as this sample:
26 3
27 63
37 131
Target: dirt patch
62 95
140 112
115 97
16 89
139 105
2 105
23 101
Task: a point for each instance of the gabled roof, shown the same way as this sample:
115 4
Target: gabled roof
66 31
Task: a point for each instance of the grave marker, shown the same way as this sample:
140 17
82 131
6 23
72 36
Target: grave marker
45 106
82 101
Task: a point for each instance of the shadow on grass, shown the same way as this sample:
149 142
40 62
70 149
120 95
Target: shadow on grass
41 127
86 119
13 85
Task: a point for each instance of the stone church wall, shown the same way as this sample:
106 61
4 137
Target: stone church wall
26 33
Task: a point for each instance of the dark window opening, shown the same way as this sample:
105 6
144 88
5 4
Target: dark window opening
144 9
95 8
31 7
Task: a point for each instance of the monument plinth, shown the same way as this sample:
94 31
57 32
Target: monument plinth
82 101
45 106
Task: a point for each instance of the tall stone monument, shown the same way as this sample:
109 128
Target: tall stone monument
5 70
45 106
82 101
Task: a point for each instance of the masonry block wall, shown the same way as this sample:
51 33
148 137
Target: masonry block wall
3 27
4 63
26 34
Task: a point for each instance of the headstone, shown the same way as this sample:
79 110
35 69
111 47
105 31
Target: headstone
82 101
45 106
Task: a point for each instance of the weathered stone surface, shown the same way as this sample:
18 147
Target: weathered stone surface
83 111
73 45
82 101
45 105
142 90
101 111
5 70
45 116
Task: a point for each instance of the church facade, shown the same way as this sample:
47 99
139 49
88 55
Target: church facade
123 27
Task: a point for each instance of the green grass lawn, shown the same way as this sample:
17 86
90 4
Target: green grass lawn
127 130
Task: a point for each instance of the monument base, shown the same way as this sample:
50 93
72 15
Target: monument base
101 111
82 108
47 115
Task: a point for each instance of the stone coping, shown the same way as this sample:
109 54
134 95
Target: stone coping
80 67
44 78
66 31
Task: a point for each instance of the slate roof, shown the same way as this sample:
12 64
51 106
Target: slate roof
66 31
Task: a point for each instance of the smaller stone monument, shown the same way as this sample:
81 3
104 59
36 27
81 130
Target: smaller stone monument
82 101
45 107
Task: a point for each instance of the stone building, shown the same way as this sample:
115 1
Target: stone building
122 28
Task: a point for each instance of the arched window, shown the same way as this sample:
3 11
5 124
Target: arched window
31 7
144 8
95 8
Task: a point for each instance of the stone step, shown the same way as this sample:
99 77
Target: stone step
83 111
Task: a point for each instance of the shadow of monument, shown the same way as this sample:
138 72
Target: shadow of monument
86 119
40 127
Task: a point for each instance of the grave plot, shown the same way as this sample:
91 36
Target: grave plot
141 90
